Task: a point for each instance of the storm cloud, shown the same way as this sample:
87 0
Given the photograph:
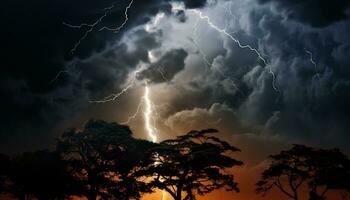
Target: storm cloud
166 67
195 72
316 13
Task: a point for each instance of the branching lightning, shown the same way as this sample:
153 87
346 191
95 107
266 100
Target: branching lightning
148 104
58 75
130 83
313 62
223 31
132 117
91 27
206 61
69 70
118 28
113 97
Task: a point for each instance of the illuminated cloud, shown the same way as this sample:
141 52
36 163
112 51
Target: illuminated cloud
230 84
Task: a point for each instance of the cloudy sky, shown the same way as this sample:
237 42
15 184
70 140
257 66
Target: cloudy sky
266 73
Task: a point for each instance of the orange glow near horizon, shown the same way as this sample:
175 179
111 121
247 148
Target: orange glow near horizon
246 178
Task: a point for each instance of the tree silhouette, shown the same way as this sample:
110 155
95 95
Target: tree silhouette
329 169
39 174
135 154
318 169
103 157
193 164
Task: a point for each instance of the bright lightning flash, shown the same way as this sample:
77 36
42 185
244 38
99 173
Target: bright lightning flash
150 128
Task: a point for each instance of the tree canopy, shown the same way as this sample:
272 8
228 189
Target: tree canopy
193 164
320 170
102 158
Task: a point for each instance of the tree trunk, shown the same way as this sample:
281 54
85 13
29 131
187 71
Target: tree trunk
296 196
179 192
178 197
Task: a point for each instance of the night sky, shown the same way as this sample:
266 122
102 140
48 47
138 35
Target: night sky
266 73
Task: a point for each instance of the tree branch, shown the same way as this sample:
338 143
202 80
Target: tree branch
279 185
324 191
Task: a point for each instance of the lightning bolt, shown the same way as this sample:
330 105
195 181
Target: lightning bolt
313 62
246 46
206 61
132 117
150 109
58 75
130 84
113 97
150 128
91 27
118 28
148 115
70 69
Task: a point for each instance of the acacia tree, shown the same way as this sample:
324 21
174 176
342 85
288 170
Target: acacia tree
318 169
329 170
193 164
135 154
102 159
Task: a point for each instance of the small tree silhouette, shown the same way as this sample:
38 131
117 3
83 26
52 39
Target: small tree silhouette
318 169
193 164
103 157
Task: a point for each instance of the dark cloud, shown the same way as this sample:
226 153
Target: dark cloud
36 43
311 104
307 106
316 13
195 3
107 71
166 67
180 15
36 48
29 115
